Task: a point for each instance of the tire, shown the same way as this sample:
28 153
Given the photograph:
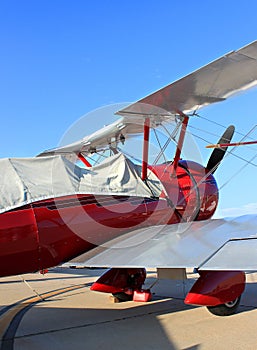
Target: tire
227 309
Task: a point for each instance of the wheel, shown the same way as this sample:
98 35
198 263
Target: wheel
123 296
226 309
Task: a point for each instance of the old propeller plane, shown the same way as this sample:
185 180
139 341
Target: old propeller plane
127 216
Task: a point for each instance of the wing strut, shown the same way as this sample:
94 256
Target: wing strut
180 141
146 144
145 148
84 160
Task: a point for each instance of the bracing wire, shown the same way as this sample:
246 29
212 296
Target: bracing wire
218 124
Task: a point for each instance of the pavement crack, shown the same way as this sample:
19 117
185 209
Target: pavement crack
118 319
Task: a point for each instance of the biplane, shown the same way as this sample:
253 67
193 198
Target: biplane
129 216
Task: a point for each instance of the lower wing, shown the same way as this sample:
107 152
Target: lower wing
216 244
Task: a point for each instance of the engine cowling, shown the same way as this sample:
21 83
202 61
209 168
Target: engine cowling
192 189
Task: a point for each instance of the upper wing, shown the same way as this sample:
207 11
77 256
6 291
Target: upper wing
214 82
109 135
221 244
232 73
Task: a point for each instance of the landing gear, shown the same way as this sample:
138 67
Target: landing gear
121 282
226 309
214 289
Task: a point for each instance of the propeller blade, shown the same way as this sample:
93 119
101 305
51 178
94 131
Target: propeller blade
218 153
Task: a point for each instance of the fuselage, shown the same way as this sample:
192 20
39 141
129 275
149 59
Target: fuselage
49 232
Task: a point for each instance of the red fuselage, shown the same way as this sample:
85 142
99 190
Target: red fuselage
49 232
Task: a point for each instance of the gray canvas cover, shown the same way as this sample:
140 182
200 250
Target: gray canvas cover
24 181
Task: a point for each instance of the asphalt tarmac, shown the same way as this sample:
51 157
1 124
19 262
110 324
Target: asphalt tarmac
58 311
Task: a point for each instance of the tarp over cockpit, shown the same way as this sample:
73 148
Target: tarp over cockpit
28 180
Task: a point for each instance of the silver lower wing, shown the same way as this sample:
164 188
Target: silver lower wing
218 244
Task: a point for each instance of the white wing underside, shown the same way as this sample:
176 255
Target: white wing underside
218 244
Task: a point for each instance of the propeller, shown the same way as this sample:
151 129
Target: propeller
218 153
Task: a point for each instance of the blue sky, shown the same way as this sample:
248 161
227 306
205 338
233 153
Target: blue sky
61 59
